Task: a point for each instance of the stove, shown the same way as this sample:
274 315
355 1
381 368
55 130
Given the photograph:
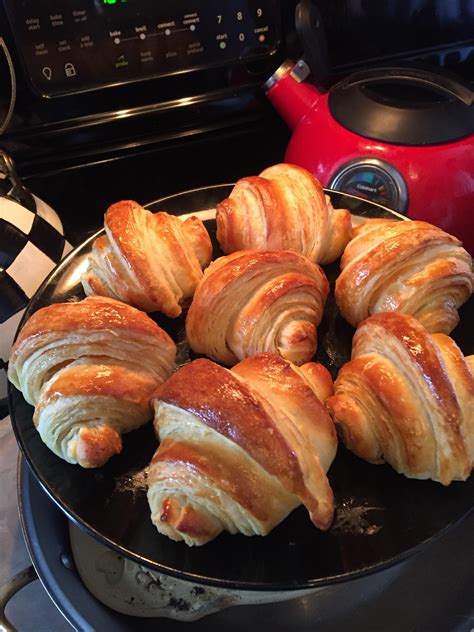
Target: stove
155 113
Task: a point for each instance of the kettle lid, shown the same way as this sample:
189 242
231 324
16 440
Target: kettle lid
405 106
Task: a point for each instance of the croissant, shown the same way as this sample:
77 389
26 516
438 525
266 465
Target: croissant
411 267
240 449
89 368
152 261
407 398
258 300
284 208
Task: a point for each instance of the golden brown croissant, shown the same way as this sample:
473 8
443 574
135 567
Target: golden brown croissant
407 398
152 261
411 267
241 448
284 208
89 368
258 300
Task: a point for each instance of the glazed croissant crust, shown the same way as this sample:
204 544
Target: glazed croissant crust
258 300
407 398
241 448
89 368
411 267
284 208
152 261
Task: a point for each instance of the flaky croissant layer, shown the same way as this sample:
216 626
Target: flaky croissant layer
410 267
258 300
89 368
284 208
407 398
241 448
152 261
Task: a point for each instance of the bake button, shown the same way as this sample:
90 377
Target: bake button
69 70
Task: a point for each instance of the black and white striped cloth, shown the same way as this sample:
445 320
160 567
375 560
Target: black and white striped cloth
32 242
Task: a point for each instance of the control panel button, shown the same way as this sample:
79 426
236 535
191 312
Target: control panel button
56 20
41 49
69 70
146 57
79 16
86 41
33 24
121 62
63 46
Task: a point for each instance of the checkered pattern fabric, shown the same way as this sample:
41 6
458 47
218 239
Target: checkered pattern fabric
31 244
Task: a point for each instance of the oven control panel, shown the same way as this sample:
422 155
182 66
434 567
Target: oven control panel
71 46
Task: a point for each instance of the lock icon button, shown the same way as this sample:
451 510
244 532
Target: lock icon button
69 70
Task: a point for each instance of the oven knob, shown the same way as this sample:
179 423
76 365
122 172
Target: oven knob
373 179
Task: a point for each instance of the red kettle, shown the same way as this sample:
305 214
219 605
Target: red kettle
402 137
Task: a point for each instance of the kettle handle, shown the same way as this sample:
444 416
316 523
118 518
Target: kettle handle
415 76
309 26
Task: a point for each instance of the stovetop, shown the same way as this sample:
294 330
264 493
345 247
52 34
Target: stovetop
81 192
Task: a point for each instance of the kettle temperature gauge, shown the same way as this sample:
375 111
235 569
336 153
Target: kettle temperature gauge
373 179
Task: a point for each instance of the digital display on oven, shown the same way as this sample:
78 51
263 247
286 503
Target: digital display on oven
74 45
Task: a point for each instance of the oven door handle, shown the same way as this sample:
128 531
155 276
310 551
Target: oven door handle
9 590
